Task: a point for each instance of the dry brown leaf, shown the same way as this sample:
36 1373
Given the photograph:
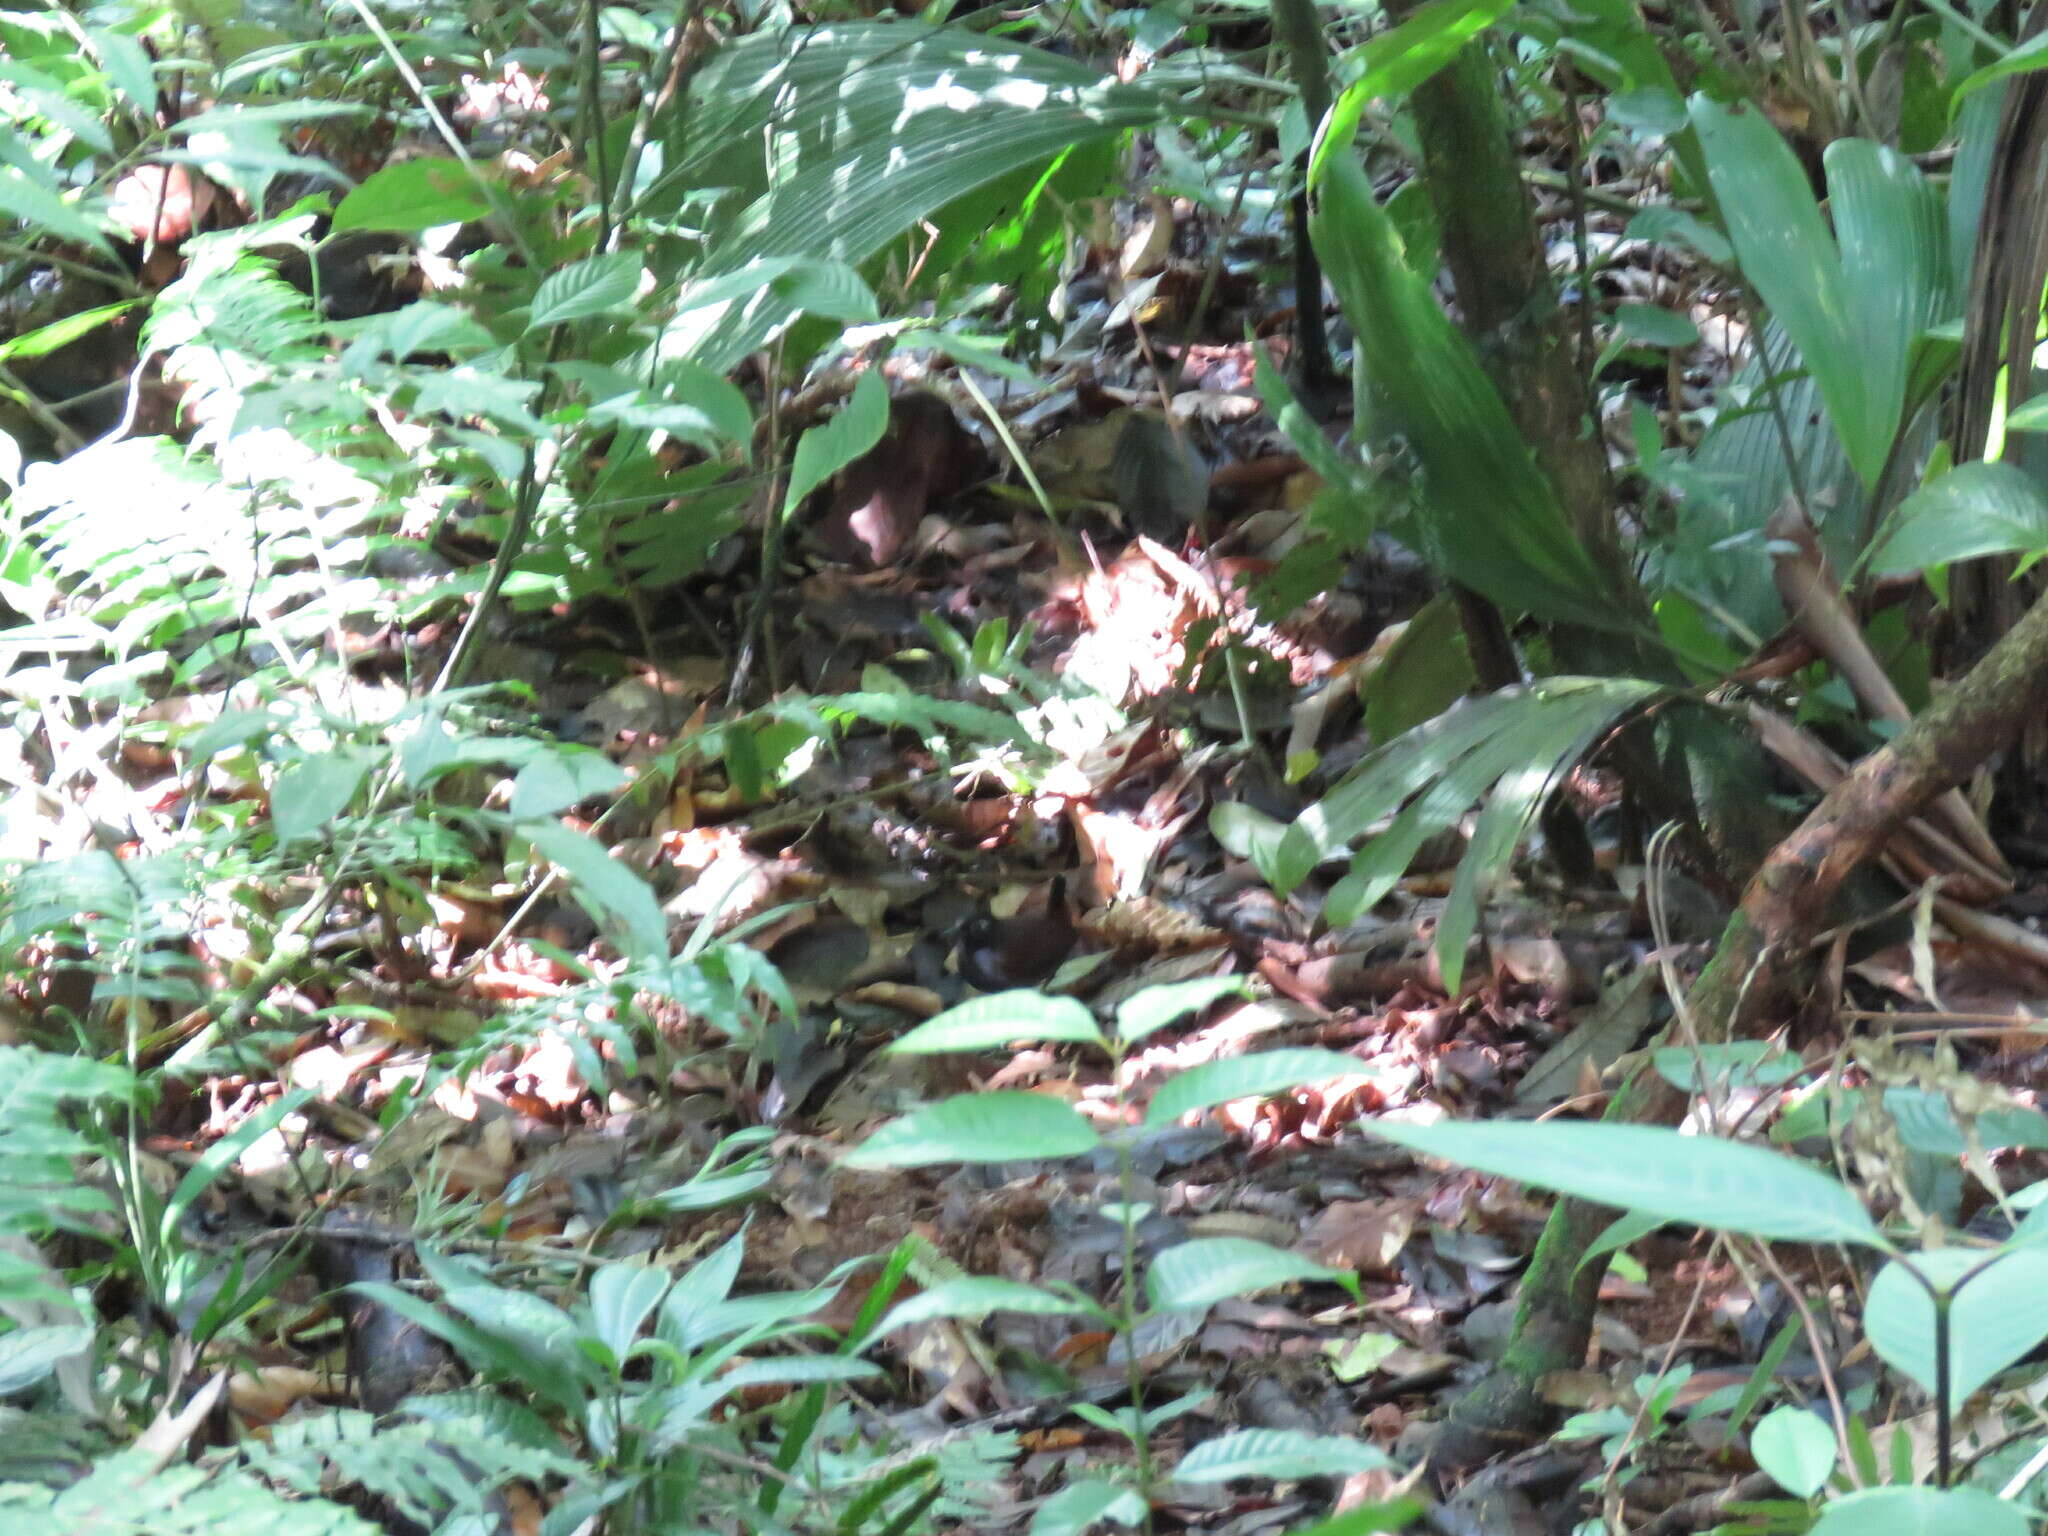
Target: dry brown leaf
1365 1235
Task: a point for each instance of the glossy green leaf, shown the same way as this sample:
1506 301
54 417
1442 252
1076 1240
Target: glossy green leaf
558 779
1000 1019
583 290
1797 1448
45 339
551 1379
313 791
1855 312
1995 1313
1927 1122
1921 1512
1367 1519
1246 1077
1699 1180
1156 1007
826 449
28 1354
622 1297
1975 509
978 1128
1079 1506
1277 1453
1200 1273
1655 326
608 887
1488 517
976 1297
1506 749
39 206
1554 727
128 65
2029 55
1397 61
411 195
871 127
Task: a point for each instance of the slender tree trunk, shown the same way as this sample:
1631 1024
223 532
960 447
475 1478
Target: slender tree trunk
1300 32
1505 293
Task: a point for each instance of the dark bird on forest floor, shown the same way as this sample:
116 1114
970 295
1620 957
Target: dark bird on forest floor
998 954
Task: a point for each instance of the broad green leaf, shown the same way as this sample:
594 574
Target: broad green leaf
1699 1180
1246 1077
1367 1519
1618 1233
1156 1007
41 208
1889 225
1995 1313
1000 1019
1248 833
1554 728
1790 259
1927 1123
1397 61
1379 786
1663 224
412 195
1078 1506
976 1297
1507 749
27 1355
1796 1447
313 791
622 1296
2029 55
1487 516
1732 1063
608 886
556 780
239 115
985 354
978 1128
483 1350
221 1156
128 65
1427 670
597 285
689 1313
1197 1274
786 1368
1854 312
45 339
1655 326
1277 1453
1921 1512
825 450
870 128
720 317
725 409
1975 509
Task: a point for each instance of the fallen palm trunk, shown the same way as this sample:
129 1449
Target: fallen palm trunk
1759 968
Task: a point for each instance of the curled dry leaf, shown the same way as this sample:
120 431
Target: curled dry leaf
1365 1235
